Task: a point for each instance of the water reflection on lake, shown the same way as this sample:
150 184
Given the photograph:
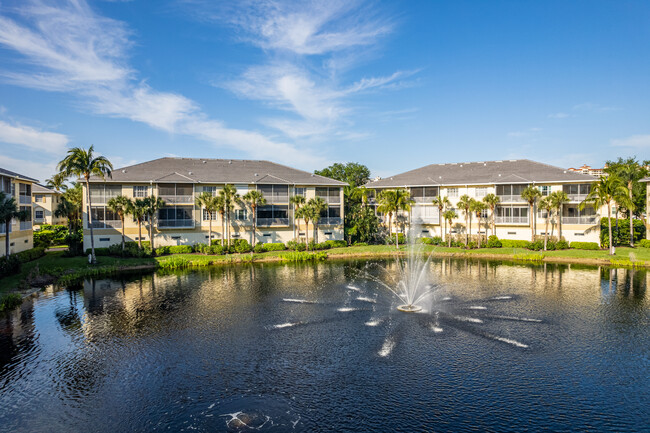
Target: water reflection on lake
318 348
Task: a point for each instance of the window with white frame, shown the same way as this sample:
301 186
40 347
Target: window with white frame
140 191
241 214
544 189
300 191
211 189
38 198
38 214
452 192
206 215
480 191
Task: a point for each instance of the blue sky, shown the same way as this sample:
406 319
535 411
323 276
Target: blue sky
393 85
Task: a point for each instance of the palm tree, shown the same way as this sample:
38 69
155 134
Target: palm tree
630 173
363 194
82 163
221 208
530 194
211 204
138 209
317 205
558 198
404 203
546 204
57 182
230 197
152 205
442 203
478 207
449 217
297 201
8 211
307 213
69 210
465 203
255 198
387 205
604 192
120 205
492 200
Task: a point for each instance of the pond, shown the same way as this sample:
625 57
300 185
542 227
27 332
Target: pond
321 348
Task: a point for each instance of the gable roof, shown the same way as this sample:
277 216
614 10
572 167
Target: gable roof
482 173
40 189
219 171
15 175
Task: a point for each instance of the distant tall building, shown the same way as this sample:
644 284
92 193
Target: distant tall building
586 169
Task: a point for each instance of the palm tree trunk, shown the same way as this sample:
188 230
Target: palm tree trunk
629 186
210 230
468 225
139 234
532 224
123 243
494 222
254 209
307 233
546 233
609 224
93 259
7 229
223 231
559 223
315 224
151 232
449 234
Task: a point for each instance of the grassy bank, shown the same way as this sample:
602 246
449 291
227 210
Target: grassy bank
55 267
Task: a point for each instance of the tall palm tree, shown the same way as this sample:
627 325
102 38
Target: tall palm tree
82 163
69 210
404 203
388 203
297 201
8 211
57 182
230 197
558 198
630 173
546 204
316 205
604 192
138 209
478 207
255 198
442 203
531 194
152 205
361 193
211 204
449 217
492 200
307 213
120 205
221 208
465 203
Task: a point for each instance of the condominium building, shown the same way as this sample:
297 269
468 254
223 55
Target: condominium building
506 179
20 232
45 201
647 207
586 169
179 181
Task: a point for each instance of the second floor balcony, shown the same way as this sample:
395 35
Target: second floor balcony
177 199
591 220
267 222
183 223
511 220
106 224
511 198
330 221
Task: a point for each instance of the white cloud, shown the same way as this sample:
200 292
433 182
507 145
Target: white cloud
559 115
638 141
34 139
29 167
597 108
67 47
523 134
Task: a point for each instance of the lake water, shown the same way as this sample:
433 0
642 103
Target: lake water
319 348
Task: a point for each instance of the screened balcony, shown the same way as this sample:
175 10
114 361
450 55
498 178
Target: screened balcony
176 193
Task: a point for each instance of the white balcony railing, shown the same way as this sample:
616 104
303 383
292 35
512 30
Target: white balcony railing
580 220
25 199
511 220
177 199
511 199
424 199
330 221
106 224
424 220
273 222
277 199
577 197
176 223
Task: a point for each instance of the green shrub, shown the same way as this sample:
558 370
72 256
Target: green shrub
274 246
241 246
425 241
550 245
562 245
43 238
622 234
174 263
9 265
258 248
510 243
494 242
100 251
296 246
400 237
360 244
337 244
74 241
471 245
216 242
60 232
180 249
303 256
10 301
644 243
29 255
209 249
585 245
536 246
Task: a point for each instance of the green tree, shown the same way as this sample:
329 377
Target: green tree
530 194
317 205
365 224
492 200
230 197
352 173
602 193
546 204
631 171
70 206
152 205
559 198
254 199
465 204
120 205
57 182
297 201
307 213
138 209
442 203
449 216
211 205
82 163
8 211
478 207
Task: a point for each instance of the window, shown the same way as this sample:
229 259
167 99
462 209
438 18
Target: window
545 190
330 195
140 191
577 188
104 239
38 214
480 192
38 198
452 192
275 193
100 193
242 189
241 214
273 214
300 191
100 215
424 193
175 189
206 215
176 216
211 189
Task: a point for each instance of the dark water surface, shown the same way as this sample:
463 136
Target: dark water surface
502 348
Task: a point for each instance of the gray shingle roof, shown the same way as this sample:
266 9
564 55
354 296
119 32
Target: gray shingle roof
16 175
482 173
40 189
203 170
645 179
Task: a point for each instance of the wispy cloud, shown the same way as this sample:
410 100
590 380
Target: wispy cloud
66 47
637 141
525 133
29 167
32 138
559 115
596 108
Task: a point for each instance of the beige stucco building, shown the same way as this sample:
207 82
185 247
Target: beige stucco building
647 207
506 179
179 181
20 232
45 201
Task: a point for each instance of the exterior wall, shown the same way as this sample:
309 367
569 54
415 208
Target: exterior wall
21 235
112 232
647 211
48 206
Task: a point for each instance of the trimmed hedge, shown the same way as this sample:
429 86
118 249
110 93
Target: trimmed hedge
273 247
213 250
29 255
561 245
337 244
585 246
494 242
510 243
644 243
10 265
296 246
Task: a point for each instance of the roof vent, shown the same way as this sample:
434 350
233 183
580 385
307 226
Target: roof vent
190 173
204 162
461 165
123 171
499 174
256 174
564 171
230 162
